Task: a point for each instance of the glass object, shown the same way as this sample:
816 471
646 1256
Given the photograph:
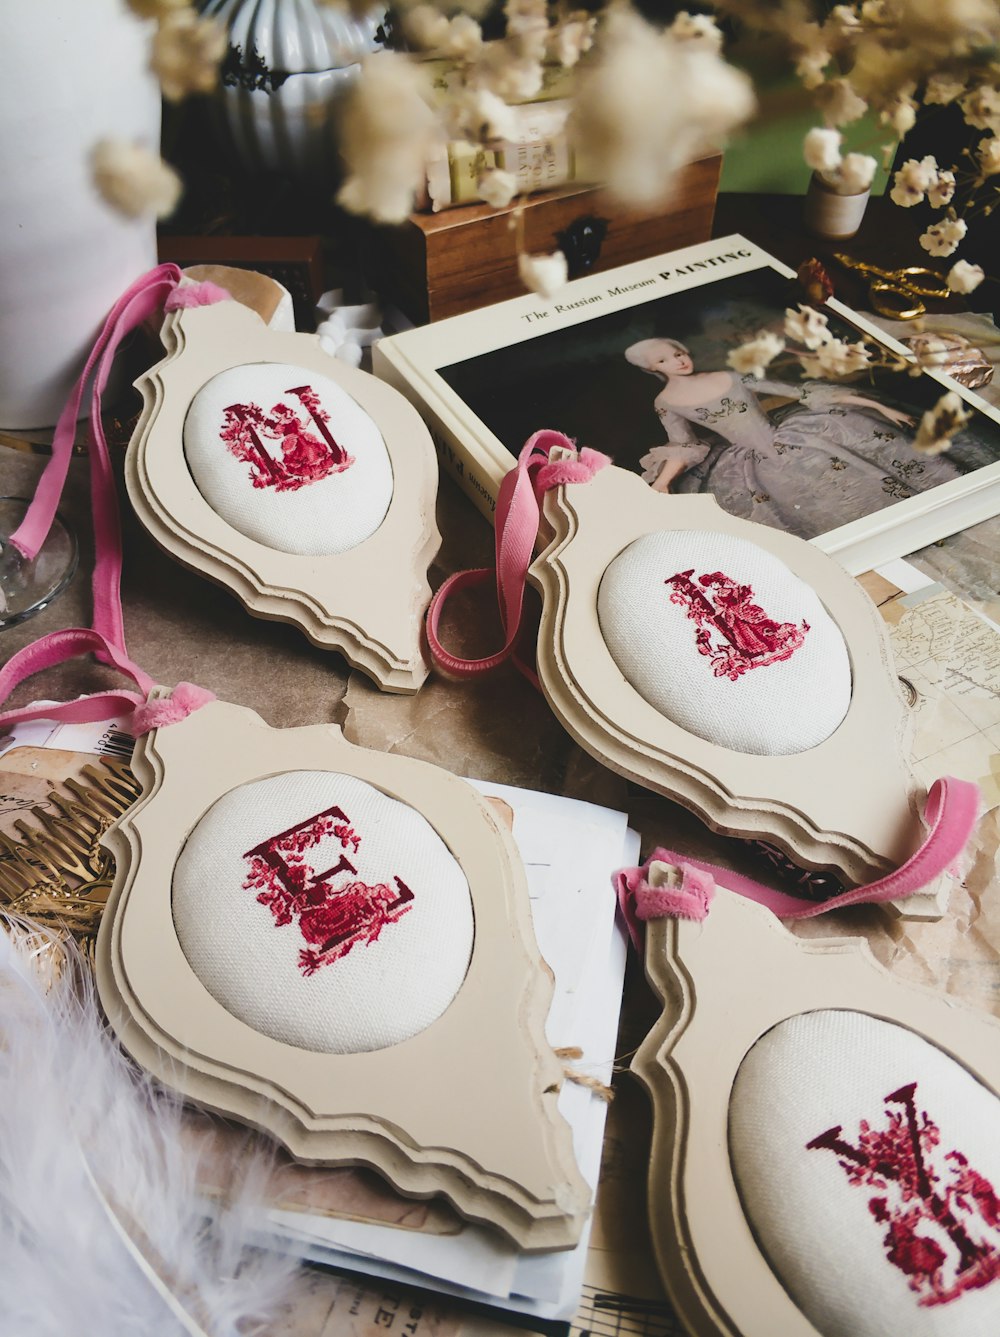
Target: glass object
26 587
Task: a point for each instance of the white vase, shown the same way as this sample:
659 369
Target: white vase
75 72
288 64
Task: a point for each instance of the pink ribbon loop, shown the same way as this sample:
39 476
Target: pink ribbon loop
951 812
106 639
517 516
183 701
195 294
138 301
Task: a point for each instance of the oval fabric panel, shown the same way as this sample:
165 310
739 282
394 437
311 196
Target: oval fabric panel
868 1163
323 913
723 639
288 458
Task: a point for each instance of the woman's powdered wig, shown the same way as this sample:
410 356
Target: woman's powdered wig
639 354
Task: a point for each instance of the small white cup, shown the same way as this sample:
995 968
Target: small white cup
828 213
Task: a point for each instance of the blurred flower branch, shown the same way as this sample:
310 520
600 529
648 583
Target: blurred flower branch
808 341
648 98
185 55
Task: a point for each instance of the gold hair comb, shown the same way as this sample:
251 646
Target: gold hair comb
57 873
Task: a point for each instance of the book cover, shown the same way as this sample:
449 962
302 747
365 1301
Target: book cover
830 461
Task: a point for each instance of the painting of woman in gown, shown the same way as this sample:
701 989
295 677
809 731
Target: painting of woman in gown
833 454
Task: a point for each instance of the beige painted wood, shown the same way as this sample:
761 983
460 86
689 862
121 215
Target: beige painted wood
709 977
466 1108
850 804
367 602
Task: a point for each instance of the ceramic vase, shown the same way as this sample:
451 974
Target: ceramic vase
75 72
287 64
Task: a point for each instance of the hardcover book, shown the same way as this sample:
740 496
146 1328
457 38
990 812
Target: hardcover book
633 362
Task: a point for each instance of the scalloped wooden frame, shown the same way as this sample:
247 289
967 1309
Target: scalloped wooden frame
718 1280
466 1108
849 804
367 602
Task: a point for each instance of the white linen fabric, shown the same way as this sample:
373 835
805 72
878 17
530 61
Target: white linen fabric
866 1160
262 458
358 960
723 639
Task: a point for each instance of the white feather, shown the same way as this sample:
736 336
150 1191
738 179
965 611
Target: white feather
101 1227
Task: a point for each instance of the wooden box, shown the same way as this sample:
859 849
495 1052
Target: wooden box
437 265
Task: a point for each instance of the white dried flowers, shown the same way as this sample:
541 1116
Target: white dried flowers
479 116
572 39
988 156
387 129
753 357
981 108
497 187
915 179
459 37
943 89
187 51
943 238
855 174
963 277
821 150
849 175
647 98
809 340
134 180
700 28
835 357
649 102
839 103
940 423
912 181
890 57
544 274
807 326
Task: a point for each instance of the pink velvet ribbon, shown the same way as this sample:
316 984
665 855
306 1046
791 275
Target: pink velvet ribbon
951 812
517 516
159 288
952 805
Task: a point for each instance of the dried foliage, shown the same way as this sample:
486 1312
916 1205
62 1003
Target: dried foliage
648 98
133 179
185 56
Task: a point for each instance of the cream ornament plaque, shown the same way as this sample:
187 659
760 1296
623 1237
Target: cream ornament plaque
303 485
335 945
728 666
826 1140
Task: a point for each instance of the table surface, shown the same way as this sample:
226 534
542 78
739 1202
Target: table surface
181 627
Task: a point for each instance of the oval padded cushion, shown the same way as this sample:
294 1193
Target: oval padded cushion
288 458
323 913
867 1161
723 639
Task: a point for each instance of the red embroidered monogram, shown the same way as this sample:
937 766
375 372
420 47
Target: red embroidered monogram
332 920
942 1217
749 638
302 457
